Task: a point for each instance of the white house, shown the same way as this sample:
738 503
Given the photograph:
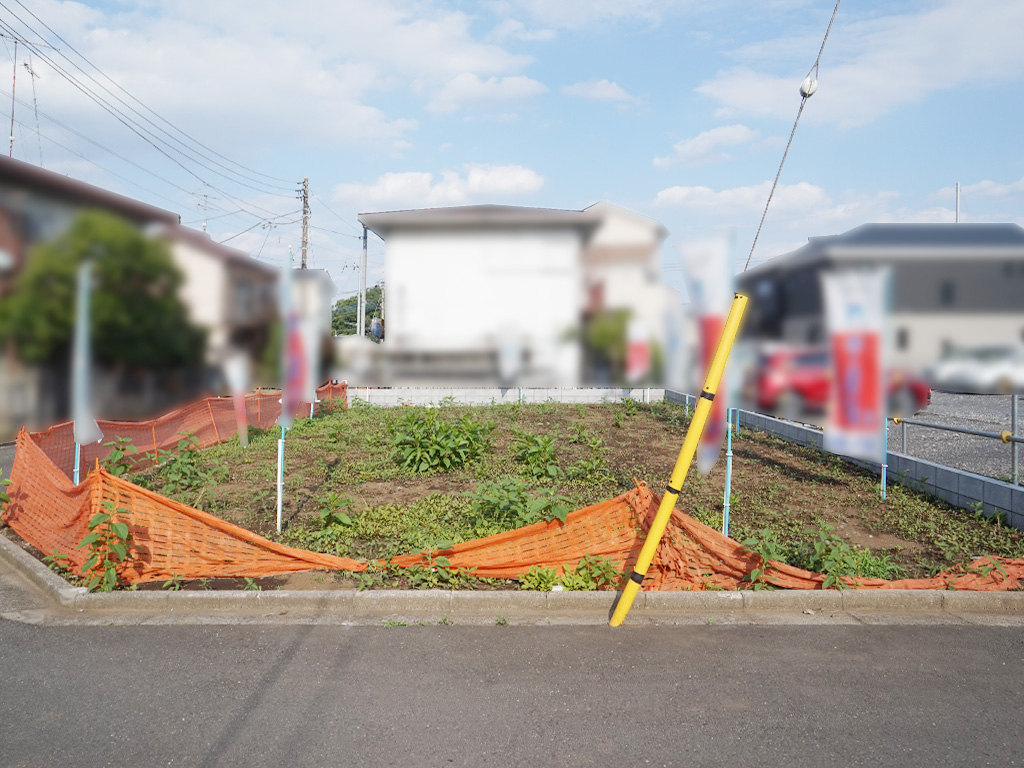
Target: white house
495 293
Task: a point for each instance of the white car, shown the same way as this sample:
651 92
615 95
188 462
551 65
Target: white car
980 370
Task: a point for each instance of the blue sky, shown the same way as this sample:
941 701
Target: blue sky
678 109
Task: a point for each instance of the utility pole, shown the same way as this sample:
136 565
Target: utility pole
305 219
14 83
361 319
35 105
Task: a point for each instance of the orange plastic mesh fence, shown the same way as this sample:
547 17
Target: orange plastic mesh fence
173 540
211 420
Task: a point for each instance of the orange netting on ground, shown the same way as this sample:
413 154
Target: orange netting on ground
170 539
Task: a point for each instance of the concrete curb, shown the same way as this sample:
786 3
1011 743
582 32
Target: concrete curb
555 607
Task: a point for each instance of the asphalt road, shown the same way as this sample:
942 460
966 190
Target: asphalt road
984 456
515 696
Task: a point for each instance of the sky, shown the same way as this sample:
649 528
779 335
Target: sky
677 109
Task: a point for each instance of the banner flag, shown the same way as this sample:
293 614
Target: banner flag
86 429
707 272
293 358
855 305
236 371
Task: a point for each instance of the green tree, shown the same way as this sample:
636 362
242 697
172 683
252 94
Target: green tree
346 311
606 342
136 317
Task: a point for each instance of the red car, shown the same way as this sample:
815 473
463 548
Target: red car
795 381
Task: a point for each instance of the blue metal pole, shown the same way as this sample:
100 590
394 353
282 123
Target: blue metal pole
728 472
78 460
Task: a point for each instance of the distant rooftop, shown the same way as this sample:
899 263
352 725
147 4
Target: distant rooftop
478 216
16 174
930 235
905 241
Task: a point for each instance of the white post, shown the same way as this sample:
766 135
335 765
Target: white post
78 459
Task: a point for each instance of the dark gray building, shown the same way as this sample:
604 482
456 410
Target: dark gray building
953 285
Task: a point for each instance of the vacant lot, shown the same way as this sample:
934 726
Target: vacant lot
374 482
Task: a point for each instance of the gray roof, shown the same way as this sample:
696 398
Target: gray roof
15 173
479 217
891 242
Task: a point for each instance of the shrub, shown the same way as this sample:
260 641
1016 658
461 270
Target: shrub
425 443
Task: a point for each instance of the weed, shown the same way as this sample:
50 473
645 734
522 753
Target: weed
392 623
4 497
331 514
251 585
425 443
58 562
174 583
117 461
599 570
498 506
587 468
767 545
184 470
539 578
107 544
537 454
501 621
548 506
446 621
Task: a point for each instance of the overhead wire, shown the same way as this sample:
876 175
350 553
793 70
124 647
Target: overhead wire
143 133
803 101
143 105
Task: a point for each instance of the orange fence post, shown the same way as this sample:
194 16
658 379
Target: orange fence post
213 421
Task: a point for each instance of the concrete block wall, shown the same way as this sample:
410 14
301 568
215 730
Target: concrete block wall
395 396
965 490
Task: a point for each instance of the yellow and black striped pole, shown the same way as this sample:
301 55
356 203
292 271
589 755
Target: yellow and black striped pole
675 484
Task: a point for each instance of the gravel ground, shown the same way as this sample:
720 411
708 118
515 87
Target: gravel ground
983 456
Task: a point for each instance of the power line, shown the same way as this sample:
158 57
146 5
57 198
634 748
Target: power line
807 89
140 103
143 133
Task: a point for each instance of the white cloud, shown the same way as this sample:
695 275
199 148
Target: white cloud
468 88
788 197
873 66
574 14
248 74
516 29
476 183
598 90
706 147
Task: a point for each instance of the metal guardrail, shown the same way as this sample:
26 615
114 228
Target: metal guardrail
1008 436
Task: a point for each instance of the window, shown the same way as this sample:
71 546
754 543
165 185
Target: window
902 338
947 293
